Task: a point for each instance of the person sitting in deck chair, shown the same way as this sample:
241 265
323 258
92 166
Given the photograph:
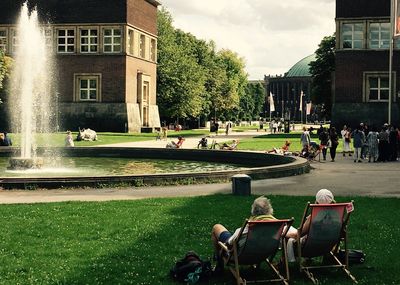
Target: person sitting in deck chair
323 196
231 146
178 144
261 210
284 150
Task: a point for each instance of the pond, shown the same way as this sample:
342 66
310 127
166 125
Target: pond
107 166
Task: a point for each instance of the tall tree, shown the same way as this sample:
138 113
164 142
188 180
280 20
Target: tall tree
321 70
180 81
5 65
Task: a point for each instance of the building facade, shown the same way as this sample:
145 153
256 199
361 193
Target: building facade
106 57
287 90
361 83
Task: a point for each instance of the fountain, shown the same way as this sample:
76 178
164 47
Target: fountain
33 99
31 88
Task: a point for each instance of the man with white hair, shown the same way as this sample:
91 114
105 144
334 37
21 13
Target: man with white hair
261 210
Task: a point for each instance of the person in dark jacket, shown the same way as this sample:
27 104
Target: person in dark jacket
358 142
334 143
324 139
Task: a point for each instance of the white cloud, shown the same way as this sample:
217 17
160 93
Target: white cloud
271 35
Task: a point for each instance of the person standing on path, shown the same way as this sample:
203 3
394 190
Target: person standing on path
346 136
334 143
324 138
372 139
305 138
358 142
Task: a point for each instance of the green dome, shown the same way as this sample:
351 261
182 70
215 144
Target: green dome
302 68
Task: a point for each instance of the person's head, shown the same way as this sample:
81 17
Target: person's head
324 196
68 132
262 206
333 130
287 143
304 129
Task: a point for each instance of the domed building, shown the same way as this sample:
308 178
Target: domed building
288 88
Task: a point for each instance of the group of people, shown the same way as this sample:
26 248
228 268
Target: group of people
329 139
5 140
378 145
262 210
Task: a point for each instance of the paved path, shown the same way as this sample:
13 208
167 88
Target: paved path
343 177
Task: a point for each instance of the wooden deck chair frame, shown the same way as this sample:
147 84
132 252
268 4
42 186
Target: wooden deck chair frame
327 247
235 254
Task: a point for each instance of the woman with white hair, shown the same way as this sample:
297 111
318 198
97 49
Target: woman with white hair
261 210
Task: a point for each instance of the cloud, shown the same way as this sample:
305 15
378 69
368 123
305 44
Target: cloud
271 35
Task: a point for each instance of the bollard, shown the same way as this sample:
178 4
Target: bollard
241 185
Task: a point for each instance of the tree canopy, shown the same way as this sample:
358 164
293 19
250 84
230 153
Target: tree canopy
321 70
193 78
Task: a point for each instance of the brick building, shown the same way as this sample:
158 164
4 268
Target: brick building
106 53
361 83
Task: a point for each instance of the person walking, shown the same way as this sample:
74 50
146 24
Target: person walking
358 142
383 145
334 143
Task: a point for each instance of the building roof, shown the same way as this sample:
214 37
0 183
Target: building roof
302 68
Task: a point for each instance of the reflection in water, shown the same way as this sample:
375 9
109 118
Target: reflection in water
87 166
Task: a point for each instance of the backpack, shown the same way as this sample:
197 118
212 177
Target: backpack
191 269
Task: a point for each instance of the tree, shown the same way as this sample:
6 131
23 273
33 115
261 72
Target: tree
180 81
321 71
5 66
231 73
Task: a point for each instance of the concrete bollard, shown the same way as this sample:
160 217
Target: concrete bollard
241 185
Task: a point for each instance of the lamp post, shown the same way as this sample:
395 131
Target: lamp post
392 7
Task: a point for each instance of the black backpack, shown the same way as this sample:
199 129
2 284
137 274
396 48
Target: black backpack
191 269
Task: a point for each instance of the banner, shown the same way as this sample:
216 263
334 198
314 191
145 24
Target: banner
308 110
271 103
301 101
396 18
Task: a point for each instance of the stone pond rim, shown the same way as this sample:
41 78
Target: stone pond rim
258 165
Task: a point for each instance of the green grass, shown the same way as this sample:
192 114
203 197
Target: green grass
57 139
137 242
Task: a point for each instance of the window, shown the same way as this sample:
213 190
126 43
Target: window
65 40
142 46
112 40
377 88
352 36
89 40
88 88
153 50
130 42
14 41
379 35
48 34
3 40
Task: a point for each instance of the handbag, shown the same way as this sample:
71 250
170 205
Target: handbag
329 143
356 256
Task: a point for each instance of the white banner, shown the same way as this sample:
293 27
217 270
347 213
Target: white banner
301 101
308 110
271 103
396 18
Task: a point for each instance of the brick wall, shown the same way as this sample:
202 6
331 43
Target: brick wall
112 69
143 15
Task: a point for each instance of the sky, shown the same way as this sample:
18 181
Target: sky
271 35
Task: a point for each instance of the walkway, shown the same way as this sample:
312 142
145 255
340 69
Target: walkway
343 177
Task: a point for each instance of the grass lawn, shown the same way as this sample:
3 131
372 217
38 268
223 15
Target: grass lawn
137 242
57 139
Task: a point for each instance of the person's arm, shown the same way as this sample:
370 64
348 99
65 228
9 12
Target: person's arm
306 227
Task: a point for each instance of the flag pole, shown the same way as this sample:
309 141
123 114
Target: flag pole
392 7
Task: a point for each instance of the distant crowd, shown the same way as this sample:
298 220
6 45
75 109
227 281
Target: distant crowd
361 142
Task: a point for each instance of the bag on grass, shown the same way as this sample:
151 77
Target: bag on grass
356 256
191 269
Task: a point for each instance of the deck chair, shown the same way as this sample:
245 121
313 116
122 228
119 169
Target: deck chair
261 243
327 230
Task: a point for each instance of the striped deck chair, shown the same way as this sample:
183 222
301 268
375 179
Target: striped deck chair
260 243
327 230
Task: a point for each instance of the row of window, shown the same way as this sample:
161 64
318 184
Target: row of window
90 40
366 35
